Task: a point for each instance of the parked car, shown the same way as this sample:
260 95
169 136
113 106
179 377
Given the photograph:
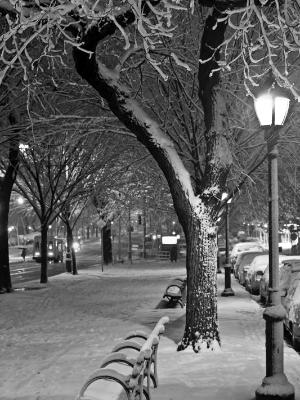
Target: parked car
287 273
242 247
264 282
254 272
244 258
290 298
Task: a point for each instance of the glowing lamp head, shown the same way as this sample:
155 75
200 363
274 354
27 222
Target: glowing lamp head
272 106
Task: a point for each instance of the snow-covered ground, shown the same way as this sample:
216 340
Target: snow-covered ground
53 337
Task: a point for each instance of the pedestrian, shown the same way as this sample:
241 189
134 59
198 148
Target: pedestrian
23 253
173 253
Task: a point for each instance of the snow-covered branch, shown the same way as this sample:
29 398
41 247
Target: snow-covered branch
45 24
265 37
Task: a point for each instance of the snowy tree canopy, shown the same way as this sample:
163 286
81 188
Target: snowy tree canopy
261 33
174 73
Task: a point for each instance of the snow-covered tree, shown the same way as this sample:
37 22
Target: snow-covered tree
58 171
116 44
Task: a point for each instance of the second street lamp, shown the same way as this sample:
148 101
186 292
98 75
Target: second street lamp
227 267
271 108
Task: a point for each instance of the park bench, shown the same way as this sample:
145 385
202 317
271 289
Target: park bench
142 367
174 291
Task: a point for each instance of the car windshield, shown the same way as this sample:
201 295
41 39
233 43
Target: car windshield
260 262
246 247
286 276
246 259
296 266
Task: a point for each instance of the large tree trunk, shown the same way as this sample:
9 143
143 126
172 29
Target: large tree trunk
201 329
107 246
70 240
44 253
6 185
5 280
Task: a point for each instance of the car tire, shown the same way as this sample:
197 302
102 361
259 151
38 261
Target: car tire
295 341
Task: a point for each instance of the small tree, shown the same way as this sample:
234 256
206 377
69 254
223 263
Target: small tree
54 171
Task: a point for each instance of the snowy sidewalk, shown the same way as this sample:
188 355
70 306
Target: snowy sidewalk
52 339
234 372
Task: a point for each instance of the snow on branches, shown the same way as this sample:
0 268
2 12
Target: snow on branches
53 25
262 36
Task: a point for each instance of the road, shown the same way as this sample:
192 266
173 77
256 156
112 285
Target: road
30 270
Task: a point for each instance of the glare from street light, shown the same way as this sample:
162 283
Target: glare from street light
267 104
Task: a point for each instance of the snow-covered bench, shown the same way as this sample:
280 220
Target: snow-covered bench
174 291
142 367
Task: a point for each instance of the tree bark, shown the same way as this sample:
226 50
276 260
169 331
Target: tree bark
6 185
70 240
107 246
201 329
44 253
5 279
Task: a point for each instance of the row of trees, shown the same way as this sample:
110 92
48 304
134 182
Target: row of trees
65 167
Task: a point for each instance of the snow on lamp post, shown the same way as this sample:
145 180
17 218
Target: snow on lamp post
271 108
227 267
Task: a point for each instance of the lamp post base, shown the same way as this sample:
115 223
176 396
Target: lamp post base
276 387
227 289
68 261
227 292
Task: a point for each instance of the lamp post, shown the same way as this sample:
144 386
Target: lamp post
227 267
129 235
271 108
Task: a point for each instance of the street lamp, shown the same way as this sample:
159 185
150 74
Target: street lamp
20 200
227 267
271 108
